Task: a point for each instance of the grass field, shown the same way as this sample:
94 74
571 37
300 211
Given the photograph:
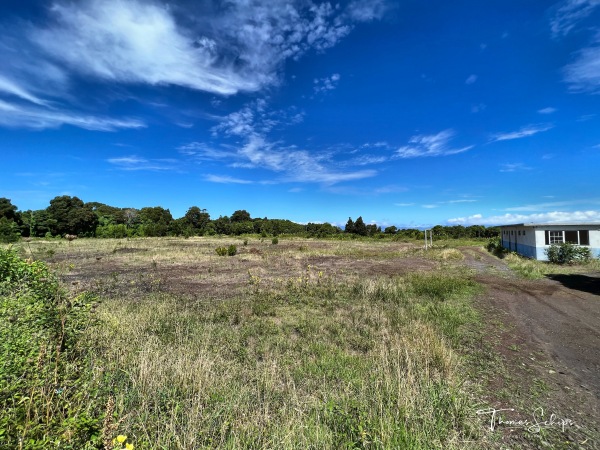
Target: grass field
302 344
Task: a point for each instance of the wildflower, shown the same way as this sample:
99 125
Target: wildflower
121 438
129 446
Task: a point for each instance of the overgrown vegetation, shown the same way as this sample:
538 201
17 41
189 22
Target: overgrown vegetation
567 253
46 388
533 269
309 363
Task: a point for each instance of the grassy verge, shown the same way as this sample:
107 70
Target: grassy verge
533 269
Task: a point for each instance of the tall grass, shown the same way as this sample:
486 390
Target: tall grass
533 269
314 364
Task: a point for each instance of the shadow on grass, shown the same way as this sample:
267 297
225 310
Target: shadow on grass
579 282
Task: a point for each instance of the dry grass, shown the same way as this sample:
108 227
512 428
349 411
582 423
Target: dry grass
303 344
313 365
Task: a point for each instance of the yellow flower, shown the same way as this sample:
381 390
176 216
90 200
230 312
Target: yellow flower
121 438
129 446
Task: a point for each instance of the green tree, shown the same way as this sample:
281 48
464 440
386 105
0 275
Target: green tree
155 220
222 225
359 227
71 216
8 210
9 230
196 218
107 215
241 215
391 230
349 226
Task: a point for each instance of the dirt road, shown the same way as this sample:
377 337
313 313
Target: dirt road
551 328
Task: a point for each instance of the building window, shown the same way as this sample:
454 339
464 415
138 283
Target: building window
556 237
523 232
576 237
572 237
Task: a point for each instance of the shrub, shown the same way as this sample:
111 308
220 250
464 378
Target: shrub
567 253
45 376
275 241
494 246
9 231
224 251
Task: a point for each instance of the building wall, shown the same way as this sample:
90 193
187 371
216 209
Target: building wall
530 241
519 239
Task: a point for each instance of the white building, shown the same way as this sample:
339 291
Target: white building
532 239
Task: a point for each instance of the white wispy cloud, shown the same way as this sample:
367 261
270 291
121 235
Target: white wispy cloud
583 75
430 145
548 217
237 46
326 84
547 206
134 163
253 123
471 79
18 115
548 110
526 131
120 41
461 200
11 87
513 167
570 13
404 204
368 10
225 179
390 189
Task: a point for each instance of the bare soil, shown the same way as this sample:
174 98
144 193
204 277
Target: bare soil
548 334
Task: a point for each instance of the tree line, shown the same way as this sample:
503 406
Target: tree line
68 215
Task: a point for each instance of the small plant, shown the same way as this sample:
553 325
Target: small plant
119 443
275 241
245 241
225 251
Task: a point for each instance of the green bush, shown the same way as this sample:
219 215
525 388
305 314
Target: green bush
45 392
225 251
567 253
9 231
494 246
274 241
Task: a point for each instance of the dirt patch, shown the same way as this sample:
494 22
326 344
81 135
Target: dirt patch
547 333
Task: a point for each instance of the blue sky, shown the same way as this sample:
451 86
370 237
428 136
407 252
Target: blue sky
406 113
